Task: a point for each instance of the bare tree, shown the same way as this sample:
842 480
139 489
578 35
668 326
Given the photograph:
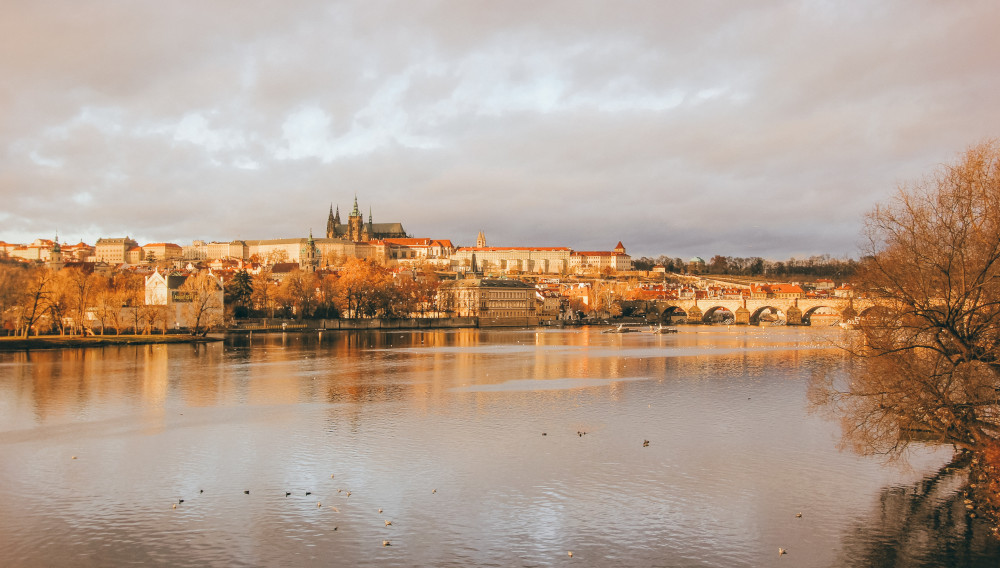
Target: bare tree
33 301
930 347
204 308
14 278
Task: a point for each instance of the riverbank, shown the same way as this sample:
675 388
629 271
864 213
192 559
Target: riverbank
63 341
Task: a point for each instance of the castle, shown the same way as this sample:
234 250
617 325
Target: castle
357 231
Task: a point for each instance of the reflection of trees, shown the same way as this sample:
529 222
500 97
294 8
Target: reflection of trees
923 524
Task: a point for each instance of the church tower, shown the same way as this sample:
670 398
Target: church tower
481 240
55 256
368 232
332 223
309 255
355 223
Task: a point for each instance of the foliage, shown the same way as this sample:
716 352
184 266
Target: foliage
239 292
205 307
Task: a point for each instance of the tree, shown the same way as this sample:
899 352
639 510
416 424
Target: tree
239 292
205 305
264 289
33 301
929 351
297 294
60 300
13 283
718 265
82 285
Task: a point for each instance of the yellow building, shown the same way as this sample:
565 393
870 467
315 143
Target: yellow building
114 250
488 298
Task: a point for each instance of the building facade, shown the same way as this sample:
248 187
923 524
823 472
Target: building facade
182 305
488 298
113 250
615 260
542 260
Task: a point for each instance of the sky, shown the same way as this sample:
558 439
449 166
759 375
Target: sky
680 128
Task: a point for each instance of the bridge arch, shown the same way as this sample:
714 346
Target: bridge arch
815 310
672 314
756 315
719 314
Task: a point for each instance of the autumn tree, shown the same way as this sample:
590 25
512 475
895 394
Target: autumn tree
204 301
60 301
366 289
326 296
929 348
32 301
264 290
81 284
297 293
14 277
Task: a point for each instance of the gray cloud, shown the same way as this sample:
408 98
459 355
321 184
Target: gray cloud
679 128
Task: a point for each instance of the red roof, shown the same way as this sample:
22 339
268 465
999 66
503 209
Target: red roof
408 242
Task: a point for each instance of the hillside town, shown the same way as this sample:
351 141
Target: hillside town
358 269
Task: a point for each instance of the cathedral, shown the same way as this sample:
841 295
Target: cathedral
357 231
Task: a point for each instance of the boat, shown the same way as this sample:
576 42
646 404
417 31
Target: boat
661 329
620 329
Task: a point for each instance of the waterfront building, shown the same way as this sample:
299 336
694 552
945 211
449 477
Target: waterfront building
488 298
182 306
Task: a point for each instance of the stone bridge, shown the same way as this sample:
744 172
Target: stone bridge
794 311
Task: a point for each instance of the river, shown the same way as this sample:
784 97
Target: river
532 447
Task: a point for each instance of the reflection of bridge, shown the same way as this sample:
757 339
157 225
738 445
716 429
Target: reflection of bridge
795 311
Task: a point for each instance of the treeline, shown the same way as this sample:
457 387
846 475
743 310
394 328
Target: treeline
358 289
35 299
820 266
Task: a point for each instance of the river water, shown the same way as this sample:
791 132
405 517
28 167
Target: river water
480 447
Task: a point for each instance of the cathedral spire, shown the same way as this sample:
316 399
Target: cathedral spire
355 212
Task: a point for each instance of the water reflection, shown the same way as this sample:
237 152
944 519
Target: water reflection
925 523
734 453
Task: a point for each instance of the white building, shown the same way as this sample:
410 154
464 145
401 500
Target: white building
183 304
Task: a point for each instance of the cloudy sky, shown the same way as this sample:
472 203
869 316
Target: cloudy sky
681 128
